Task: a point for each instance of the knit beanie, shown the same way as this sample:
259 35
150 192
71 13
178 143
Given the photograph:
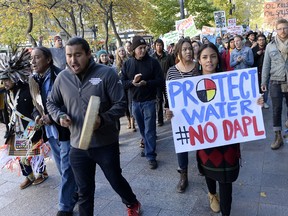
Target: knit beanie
137 41
57 37
100 52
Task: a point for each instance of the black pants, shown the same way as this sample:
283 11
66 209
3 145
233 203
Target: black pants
159 105
225 193
83 163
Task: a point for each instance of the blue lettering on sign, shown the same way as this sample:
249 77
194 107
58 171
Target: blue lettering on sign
253 82
186 88
220 89
244 106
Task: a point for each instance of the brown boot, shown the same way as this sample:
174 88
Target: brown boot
41 178
132 121
278 142
27 182
183 182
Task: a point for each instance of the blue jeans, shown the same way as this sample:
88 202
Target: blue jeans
277 100
84 162
145 115
68 188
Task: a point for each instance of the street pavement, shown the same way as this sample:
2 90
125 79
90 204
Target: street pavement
261 189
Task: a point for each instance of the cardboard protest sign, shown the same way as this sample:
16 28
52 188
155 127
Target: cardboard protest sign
235 30
215 110
275 10
186 27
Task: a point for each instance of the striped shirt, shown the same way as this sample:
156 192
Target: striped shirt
173 73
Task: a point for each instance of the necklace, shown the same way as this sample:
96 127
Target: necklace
186 71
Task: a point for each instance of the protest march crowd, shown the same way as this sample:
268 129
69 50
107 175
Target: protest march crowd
46 96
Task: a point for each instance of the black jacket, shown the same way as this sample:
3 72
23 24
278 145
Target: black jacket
64 133
151 72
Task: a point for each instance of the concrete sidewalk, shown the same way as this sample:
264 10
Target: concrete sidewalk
261 189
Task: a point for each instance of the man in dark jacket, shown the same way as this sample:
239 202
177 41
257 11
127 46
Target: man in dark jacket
72 89
258 52
142 74
166 61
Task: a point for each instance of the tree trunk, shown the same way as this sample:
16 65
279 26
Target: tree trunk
119 41
73 19
81 19
62 27
105 21
29 30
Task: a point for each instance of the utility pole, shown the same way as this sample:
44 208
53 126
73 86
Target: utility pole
181 2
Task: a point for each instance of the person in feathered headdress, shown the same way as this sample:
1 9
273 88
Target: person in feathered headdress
24 138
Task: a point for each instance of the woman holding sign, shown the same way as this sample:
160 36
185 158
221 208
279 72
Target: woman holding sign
186 67
218 164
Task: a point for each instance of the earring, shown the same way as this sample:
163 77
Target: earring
218 66
200 67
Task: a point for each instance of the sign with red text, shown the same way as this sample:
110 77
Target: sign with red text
186 27
206 30
215 110
235 30
231 22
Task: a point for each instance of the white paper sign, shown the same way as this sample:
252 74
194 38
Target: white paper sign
215 110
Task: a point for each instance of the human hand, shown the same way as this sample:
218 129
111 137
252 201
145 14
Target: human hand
137 78
263 88
260 100
65 120
239 58
97 123
46 120
169 114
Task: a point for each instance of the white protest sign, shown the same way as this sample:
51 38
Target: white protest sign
220 19
235 30
232 22
215 110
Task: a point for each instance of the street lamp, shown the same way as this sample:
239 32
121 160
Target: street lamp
181 2
94 29
232 7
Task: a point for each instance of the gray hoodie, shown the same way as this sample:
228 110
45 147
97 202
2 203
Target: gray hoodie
74 94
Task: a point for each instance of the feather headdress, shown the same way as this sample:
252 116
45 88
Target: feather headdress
17 68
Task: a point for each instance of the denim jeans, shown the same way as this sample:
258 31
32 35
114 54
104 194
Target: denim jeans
277 101
225 194
84 162
145 115
182 161
68 188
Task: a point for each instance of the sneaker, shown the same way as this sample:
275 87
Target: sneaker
26 183
214 202
142 153
41 178
134 210
153 164
266 106
64 213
